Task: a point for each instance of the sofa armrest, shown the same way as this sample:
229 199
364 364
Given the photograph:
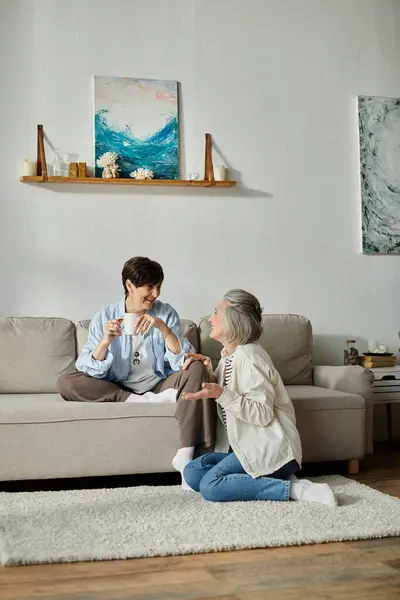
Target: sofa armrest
354 380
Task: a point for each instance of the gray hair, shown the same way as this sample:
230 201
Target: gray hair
243 317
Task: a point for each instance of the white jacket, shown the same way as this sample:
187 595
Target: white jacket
260 417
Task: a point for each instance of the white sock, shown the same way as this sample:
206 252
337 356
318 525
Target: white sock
182 458
312 492
166 397
295 479
135 398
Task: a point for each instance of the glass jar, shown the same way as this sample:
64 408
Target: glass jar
351 355
58 165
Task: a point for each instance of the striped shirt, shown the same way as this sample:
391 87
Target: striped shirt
227 379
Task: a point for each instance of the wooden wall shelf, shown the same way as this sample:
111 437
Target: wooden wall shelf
120 181
43 177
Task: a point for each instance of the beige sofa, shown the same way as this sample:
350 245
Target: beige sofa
42 436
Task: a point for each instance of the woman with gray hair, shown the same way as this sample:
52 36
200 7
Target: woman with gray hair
257 418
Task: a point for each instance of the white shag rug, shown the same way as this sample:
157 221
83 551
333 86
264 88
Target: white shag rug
103 524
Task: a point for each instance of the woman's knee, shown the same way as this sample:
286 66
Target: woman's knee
63 383
67 385
209 490
198 370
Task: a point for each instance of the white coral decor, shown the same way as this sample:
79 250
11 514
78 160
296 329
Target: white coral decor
142 174
107 159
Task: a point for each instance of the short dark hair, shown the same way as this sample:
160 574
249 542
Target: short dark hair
142 271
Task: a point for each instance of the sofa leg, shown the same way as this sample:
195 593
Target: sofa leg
353 466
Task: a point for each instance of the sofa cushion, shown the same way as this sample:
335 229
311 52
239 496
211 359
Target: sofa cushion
310 397
286 338
33 352
82 333
52 408
189 330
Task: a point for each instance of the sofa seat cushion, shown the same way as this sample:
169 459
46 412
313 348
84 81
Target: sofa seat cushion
51 408
189 330
311 398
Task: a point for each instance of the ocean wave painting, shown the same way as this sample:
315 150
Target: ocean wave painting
379 130
137 119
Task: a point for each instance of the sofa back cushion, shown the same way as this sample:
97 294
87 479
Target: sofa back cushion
189 330
286 338
33 352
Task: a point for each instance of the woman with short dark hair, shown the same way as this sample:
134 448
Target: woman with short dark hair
257 419
146 367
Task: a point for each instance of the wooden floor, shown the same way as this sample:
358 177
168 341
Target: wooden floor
367 570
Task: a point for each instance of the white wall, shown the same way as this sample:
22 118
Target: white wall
275 82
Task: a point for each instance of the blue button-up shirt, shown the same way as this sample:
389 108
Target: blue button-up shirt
115 366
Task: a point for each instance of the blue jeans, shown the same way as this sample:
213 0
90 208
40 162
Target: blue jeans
219 477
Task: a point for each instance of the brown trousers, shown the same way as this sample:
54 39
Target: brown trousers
196 418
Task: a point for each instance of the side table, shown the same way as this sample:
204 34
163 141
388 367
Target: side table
387 391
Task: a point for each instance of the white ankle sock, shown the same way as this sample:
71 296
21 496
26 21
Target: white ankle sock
307 491
135 398
166 397
295 479
182 458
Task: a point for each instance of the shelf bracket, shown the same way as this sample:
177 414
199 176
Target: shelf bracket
41 165
208 163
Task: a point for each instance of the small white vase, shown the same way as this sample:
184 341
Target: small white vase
28 167
219 172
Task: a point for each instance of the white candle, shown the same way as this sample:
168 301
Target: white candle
28 167
372 345
219 172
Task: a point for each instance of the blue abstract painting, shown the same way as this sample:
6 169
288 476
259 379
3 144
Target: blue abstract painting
137 119
379 130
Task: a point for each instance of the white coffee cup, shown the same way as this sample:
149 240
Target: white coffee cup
130 323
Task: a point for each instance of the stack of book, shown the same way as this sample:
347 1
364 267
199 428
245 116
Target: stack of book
375 361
